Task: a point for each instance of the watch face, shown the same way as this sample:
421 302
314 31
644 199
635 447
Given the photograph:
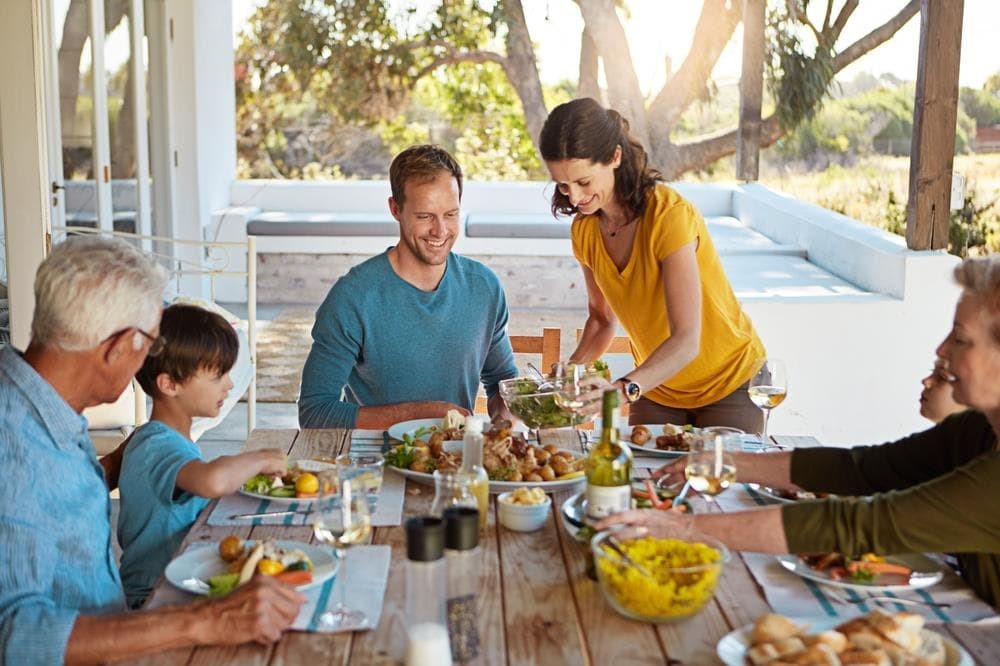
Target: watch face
633 391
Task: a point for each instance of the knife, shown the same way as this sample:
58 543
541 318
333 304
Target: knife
265 514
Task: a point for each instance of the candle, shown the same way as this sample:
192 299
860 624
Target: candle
428 645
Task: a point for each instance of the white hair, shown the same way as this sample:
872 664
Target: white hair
91 287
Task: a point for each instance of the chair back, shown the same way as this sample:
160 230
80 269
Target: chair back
546 344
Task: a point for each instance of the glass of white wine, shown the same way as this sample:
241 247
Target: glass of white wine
342 519
710 467
768 388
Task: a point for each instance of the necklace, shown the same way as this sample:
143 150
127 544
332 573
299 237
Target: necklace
621 226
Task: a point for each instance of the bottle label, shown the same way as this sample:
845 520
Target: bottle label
605 500
463 629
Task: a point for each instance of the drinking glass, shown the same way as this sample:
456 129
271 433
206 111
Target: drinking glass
342 519
710 466
365 471
452 489
768 388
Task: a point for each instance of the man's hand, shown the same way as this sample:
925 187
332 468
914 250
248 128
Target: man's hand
678 525
258 611
672 472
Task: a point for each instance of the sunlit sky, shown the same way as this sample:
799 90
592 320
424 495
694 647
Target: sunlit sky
661 28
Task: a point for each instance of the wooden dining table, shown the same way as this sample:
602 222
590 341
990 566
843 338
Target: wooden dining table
536 603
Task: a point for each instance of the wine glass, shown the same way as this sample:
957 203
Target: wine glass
342 519
768 388
710 467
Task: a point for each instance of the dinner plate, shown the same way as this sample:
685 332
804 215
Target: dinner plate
772 495
732 648
499 486
203 563
926 572
649 449
397 430
304 464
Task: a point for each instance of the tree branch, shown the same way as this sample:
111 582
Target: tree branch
842 17
454 56
876 37
716 24
799 14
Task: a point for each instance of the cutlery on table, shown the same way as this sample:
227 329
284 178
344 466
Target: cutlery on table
265 514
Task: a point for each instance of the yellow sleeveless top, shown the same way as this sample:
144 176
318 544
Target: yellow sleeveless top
729 344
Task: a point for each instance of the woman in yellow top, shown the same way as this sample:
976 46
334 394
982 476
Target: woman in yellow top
649 262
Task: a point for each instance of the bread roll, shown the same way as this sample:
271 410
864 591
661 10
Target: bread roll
865 658
818 655
762 654
833 639
773 627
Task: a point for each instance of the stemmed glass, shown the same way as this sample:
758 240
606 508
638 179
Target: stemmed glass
768 388
342 519
710 467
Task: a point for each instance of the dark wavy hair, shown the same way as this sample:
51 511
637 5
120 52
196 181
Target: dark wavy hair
583 129
421 163
196 339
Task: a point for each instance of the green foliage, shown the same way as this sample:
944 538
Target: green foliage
797 80
980 105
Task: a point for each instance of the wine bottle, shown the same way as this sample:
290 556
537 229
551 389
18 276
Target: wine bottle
609 466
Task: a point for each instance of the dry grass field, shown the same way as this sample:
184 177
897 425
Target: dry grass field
874 191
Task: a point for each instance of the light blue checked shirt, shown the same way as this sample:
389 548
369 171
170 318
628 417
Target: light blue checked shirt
56 560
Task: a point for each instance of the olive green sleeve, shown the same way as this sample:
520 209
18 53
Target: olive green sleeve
866 470
956 512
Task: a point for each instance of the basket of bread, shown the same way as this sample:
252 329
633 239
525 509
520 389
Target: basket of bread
877 639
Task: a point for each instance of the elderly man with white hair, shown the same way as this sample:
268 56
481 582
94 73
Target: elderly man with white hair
96 318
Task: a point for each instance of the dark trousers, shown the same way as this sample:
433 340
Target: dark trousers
735 410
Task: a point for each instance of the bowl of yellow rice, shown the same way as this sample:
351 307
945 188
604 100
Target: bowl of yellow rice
683 574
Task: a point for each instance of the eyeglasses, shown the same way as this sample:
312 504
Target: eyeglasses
156 343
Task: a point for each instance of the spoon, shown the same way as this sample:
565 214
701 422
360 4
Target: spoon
616 546
682 494
536 374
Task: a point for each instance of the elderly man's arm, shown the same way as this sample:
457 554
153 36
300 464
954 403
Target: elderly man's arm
258 612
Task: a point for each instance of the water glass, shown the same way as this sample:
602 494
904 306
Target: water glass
452 489
365 472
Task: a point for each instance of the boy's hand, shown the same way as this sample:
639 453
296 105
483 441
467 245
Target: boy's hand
272 461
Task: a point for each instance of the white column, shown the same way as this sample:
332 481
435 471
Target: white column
23 153
202 114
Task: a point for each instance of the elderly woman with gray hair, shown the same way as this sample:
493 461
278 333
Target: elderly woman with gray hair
946 479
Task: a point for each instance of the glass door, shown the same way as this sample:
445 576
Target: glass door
100 158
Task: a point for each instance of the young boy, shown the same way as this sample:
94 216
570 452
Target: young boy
164 481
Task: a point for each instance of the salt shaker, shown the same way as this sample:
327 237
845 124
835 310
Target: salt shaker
427 641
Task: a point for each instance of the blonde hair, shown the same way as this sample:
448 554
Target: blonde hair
980 277
91 287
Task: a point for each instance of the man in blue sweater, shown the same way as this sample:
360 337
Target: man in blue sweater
410 333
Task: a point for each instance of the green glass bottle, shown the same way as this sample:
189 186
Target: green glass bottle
609 466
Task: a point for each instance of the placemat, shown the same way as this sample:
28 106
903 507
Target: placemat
367 574
798 597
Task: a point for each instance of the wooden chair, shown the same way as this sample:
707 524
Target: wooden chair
546 344
620 344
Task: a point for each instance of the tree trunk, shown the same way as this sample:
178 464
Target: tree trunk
522 70
675 159
589 66
624 94
74 36
123 146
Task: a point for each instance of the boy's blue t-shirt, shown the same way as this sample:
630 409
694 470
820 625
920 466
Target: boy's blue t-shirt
155 514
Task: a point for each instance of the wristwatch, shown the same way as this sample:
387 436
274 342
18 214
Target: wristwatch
631 389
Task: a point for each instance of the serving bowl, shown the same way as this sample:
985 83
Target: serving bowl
522 517
538 408
683 573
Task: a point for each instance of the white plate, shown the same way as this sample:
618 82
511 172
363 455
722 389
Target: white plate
732 648
397 430
500 486
203 563
305 465
625 431
926 572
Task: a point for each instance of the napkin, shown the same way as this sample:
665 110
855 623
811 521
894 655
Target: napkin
367 574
